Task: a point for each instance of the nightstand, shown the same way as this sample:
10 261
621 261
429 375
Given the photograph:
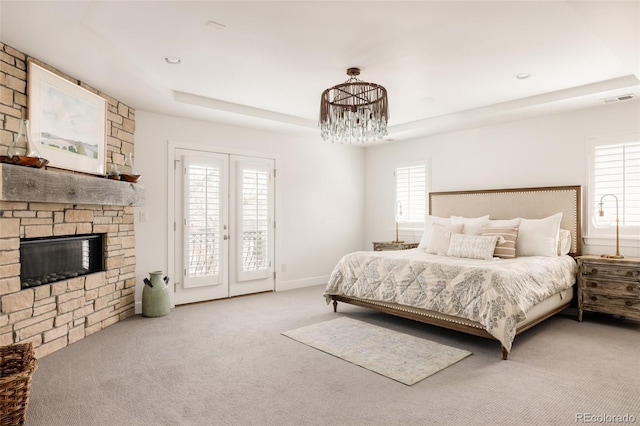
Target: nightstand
390 245
610 286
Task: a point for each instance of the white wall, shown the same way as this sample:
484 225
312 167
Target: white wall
543 151
333 199
319 195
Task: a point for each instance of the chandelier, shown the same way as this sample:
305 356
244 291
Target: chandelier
354 111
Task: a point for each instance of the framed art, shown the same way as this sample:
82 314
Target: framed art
68 122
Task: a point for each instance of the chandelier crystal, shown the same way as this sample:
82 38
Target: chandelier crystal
354 111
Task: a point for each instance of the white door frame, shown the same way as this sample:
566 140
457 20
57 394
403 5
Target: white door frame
171 242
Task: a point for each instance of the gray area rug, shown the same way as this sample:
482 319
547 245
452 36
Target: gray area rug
401 357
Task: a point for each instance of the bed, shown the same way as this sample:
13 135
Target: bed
493 297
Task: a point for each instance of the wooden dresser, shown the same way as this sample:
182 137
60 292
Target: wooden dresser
390 245
610 286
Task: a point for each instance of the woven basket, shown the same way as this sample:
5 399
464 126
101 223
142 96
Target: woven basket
17 365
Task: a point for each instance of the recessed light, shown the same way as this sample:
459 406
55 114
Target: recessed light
522 76
173 60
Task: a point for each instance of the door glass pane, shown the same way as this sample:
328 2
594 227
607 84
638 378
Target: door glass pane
203 186
255 218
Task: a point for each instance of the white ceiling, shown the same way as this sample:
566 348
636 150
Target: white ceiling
446 64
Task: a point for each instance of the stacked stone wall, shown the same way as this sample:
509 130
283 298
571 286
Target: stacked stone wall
53 316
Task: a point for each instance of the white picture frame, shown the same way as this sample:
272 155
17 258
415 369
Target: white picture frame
67 122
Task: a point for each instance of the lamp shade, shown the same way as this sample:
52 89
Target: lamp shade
399 212
602 220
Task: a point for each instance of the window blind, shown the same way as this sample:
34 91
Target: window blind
202 187
616 170
255 219
411 193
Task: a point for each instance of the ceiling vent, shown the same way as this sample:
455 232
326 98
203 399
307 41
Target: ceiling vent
620 98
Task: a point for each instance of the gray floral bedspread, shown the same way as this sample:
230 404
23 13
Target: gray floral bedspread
495 293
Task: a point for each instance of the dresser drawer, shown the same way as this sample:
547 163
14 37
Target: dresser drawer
595 270
617 287
617 305
608 285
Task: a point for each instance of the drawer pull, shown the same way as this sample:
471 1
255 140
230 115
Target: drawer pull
629 303
630 288
593 285
594 271
594 298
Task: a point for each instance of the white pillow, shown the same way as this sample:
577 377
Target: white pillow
472 246
564 242
428 221
472 225
538 237
441 237
504 223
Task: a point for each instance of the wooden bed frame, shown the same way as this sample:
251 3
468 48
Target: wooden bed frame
532 203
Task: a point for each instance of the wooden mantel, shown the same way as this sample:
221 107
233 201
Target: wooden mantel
18 183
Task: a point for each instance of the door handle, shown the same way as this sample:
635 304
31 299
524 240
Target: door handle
226 237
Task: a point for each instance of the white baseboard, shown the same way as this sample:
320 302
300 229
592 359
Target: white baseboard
280 286
305 282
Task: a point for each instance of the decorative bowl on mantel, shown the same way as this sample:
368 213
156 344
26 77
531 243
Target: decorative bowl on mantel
129 178
22 160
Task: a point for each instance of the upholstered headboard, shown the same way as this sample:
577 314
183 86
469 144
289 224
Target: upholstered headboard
531 203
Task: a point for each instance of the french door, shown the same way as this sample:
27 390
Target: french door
224 220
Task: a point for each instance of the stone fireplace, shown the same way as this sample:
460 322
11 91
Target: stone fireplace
56 314
48 260
40 204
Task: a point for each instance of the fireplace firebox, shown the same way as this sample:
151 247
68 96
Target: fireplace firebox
51 259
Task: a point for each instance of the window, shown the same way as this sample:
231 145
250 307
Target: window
411 193
615 169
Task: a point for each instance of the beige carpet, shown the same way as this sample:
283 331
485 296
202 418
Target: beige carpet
398 356
227 363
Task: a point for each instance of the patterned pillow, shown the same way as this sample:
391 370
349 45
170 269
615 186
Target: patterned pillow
506 245
472 246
